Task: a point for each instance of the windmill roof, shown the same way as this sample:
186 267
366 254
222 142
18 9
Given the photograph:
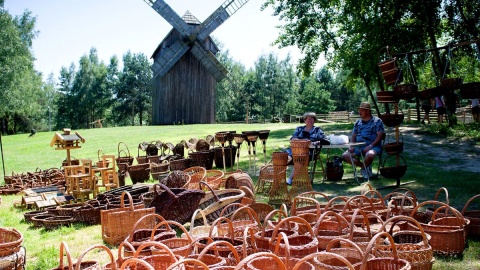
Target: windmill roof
189 18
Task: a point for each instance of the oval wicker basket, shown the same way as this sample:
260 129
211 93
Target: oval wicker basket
394 172
405 91
10 241
392 120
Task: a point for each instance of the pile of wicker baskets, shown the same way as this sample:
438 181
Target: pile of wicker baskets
12 253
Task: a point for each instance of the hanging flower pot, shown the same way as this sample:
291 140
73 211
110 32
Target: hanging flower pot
393 171
451 84
393 147
406 91
431 93
387 65
470 90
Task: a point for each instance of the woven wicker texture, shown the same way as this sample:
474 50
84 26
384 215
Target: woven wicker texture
279 193
385 263
177 204
139 173
197 174
301 179
81 264
180 246
448 233
10 241
238 179
473 229
262 260
329 226
300 245
159 261
117 223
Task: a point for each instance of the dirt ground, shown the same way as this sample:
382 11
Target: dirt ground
441 149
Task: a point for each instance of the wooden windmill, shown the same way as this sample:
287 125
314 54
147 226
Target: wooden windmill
185 67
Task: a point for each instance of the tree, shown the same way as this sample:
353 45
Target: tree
314 93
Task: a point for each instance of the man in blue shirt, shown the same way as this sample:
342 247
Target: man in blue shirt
368 129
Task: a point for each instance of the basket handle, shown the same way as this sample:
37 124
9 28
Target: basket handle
378 238
122 202
286 243
325 216
397 219
126 264
332 200
109 252
455 212
332 242
64 248
118 148
232 205
167 223
121 247
230 227
250 212
365 221
214 244
468 203
157 245
299 198
189 261
195 214
140 220
291 219
246 233
365 188
98 154
210 188
355 198
168 190
446 195
249 258
271 215
460 219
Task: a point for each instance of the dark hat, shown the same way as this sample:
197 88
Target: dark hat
366 106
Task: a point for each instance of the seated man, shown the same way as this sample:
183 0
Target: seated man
368 129
307 132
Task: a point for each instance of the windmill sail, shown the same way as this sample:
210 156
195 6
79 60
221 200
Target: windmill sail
165 61
209 61
170 16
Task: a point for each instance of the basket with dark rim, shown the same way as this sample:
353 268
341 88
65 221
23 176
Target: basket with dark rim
176 179
300 147
405 91
180 164
214 202
392 76
473 229
392 120
451 84
393 172
229 151
161 167
142 159
470 90
393 147
29 215
38 219
10 241
388 64
202 159
251 136
89 213
124 158
177 204
139 173
386 97
55 222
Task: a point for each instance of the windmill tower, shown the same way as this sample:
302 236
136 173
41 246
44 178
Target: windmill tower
185 67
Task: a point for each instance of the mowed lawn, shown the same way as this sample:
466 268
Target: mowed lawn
22 153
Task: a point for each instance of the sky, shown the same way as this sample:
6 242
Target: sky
68 29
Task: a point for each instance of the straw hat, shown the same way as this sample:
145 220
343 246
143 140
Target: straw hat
366 106
310 114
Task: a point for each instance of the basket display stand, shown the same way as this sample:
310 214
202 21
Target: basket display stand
279 191
398 170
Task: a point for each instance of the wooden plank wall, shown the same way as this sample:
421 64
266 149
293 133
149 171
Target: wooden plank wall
185 94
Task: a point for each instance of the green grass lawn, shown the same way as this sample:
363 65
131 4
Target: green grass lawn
22 153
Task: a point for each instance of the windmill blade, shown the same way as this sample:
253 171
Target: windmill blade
170 16
225 11
209 61
165 61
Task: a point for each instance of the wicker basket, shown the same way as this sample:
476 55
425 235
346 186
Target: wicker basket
29 215
239 179
473 229
214 202
393 172
55 222
300 147
202 159
387 65
470 90
406 91
38 219
262 260
214 178
451 84
393 147
342 247
392 76
139 173
329 226
448 233
300 245
177 179
117 223
10 241
385 263
87 265
179 246
177 204
392 120
411 245
180 164
16 261
158 261
88 213
123 157
229 151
